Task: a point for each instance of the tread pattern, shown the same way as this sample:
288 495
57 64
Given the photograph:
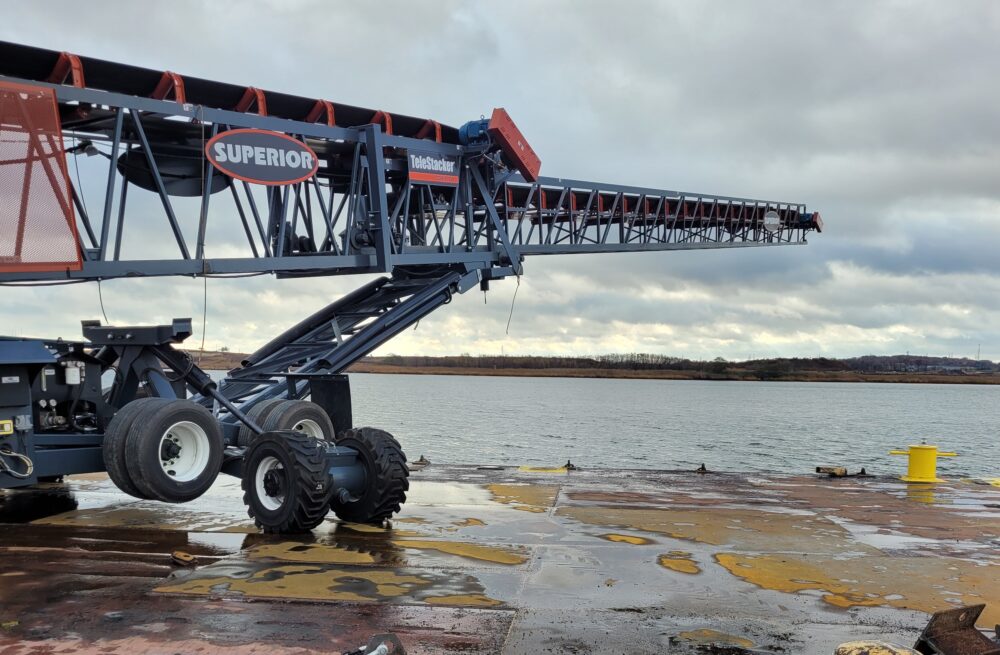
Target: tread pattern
307 501
388 476
287 413
142 450
259 414
113 445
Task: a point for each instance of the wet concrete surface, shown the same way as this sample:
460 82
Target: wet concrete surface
503 561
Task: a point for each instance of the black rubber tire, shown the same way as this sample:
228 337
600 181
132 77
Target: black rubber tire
113 446
386 476
288 414
258 413
304 480
142 449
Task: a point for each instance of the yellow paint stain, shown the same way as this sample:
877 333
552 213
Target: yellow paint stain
469 523
413 519
680 561
314 553
305 582
543 469
364 527
746 529
525 497
463 600
149 519
534 509
872 648
334 554
627 539
708 637
492 554
926 584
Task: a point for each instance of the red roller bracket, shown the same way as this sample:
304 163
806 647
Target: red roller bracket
67 66
170 82
324 109
253 97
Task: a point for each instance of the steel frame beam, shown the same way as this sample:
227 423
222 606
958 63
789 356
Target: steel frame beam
363 214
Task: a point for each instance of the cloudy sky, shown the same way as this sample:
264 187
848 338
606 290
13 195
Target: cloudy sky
881 115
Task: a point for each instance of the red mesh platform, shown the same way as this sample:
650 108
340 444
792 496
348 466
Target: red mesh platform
37 223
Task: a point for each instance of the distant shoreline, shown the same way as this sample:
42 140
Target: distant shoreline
227 361
624 374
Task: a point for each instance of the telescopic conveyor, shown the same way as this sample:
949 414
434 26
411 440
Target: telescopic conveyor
310 187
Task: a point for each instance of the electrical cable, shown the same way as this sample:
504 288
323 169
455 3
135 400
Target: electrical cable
204 316
513 298
83 201
100 297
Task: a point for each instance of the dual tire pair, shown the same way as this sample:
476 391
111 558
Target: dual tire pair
163 449
171 450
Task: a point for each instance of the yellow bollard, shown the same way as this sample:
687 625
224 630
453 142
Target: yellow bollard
922 465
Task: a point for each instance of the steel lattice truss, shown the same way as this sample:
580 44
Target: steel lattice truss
364 211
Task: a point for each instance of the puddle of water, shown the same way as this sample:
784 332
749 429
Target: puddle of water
446 493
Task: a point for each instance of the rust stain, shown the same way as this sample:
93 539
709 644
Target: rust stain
166 518
525 497
680 561
872 648
419 520
305 582
709 637
919 510
469 523
627 539
543 469
494 554
463 600
743 528
926 584
388 551
614 497
313 553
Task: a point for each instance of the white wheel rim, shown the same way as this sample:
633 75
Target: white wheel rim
310 428
184 451
266 465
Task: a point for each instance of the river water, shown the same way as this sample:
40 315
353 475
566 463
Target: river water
666 424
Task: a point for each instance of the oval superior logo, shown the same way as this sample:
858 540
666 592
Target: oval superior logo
262 157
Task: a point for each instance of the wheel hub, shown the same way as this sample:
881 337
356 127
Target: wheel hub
169 450
273 483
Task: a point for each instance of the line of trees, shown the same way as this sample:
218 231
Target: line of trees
648 361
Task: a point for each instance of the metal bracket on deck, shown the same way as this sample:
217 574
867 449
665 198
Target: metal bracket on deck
954 632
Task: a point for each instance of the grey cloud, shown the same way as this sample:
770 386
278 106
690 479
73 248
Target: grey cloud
880 115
